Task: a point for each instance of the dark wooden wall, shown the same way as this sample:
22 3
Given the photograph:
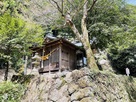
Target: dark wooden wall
63 58
68 58
53 59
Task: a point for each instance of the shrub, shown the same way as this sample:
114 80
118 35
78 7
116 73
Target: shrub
10 92
125 58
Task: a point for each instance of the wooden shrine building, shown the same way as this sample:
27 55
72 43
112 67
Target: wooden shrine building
58 55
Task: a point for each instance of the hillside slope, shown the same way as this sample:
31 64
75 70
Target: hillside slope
81 86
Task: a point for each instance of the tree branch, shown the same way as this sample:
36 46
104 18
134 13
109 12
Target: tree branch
69 21
62 3
58 7
83 21
75 30
71 4
94 1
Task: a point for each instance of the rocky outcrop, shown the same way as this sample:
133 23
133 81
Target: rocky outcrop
81 86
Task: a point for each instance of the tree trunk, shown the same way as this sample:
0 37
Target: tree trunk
85 40
6 71
90 56
7 63
25 66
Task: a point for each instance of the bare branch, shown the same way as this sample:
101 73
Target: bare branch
58 7
52 4
75 30
36 3
62 3
71 4
82 5
78 9
94 1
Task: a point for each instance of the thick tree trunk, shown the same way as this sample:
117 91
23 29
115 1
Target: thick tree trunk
90 56
85 40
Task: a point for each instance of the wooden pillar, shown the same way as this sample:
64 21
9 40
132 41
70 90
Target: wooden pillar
42 59
68 61
49 59
31 64
60 57
83 60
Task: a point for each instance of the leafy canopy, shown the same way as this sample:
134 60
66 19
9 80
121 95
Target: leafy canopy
17 36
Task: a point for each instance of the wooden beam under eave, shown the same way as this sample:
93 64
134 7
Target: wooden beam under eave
72 47
58 43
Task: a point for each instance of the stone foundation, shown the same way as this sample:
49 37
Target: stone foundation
79 86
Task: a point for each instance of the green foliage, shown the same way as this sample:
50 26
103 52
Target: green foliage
110 15
125 58
131 88
10 28
101 20
100 34
104 21
8 6
22 79
10 92
132 14
16 38
122 48
122 38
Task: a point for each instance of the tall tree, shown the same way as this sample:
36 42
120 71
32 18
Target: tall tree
83 34
16 34
88 19
16 37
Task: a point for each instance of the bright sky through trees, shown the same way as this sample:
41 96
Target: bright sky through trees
133 2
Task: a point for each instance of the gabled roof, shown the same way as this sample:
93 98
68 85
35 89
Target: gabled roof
60 41
55 41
